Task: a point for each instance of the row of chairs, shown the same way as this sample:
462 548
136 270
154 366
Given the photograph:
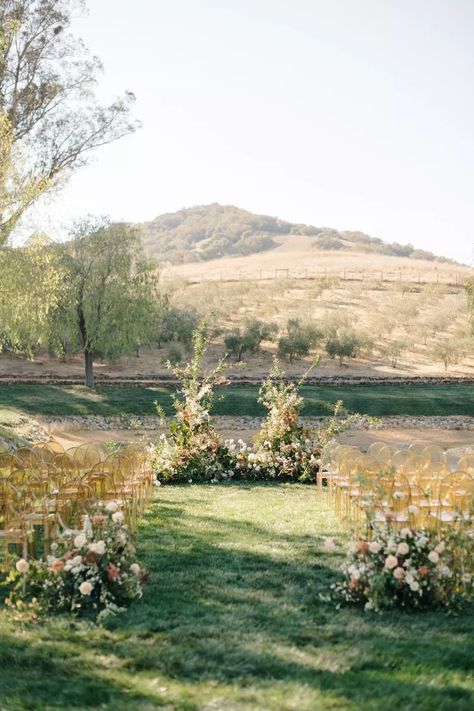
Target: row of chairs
404 490
46 491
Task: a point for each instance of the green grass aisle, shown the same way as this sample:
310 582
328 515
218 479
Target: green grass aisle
231 621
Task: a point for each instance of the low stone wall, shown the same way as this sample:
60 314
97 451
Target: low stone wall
151 422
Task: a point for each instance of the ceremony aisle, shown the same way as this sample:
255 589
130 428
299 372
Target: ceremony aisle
232 619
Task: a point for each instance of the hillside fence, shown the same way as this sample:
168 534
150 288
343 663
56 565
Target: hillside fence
350 275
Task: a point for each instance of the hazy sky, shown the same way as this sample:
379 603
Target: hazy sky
355 114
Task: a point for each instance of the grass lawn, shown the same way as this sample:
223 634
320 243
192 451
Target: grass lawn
232 621
17 400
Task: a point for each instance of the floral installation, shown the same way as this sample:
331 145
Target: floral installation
192 450
407 569
94 574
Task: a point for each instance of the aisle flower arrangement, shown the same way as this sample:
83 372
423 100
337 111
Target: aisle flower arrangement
93 574
192 450
406 569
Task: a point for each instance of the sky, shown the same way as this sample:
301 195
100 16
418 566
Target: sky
353 114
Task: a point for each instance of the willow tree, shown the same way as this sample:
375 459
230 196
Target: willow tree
29 294
50 121
108 297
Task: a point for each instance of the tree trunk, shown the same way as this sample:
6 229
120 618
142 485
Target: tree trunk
89 366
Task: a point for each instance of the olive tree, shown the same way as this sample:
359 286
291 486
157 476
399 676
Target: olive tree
238 342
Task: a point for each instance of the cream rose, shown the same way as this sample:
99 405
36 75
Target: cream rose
398 573
22 565
403 548
86 588
80 541
391 562
374 547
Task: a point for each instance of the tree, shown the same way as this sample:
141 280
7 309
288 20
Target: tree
175 324
29 293
50 121
449 352
108 296
300 337
343 344
293 346
394 350
238 342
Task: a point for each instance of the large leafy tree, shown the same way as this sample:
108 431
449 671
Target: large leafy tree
29 293
108 302
50 121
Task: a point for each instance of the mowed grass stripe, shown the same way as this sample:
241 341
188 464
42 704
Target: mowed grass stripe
381 400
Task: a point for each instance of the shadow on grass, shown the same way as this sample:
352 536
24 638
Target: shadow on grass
235 605
36 675
230 613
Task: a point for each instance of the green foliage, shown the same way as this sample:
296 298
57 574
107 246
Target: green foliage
449 351
210 231
30 291
214 231
346 342
175 324
299 339
238 342
107 304
174 355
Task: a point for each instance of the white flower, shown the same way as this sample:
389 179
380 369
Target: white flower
404 532
368 606
409 578
22 565
414 586
398 573
422 540
374 547
77 560
403 548
440 547
329 546
80 541
413 509
433 556
86 588
98 547
445 571
391 562
117 517
135 568
111 506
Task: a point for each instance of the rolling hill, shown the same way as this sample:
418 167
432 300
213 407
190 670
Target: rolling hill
210 232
